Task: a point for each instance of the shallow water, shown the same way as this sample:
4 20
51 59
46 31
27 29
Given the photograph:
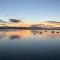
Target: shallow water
30 44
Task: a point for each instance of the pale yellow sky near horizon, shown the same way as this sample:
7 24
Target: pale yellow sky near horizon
30 21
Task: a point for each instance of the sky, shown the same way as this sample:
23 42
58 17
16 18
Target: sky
30 10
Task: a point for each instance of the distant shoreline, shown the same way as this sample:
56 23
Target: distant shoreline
30 28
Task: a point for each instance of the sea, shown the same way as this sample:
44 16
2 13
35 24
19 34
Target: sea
29 44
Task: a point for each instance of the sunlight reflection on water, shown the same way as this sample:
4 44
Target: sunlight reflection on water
29 33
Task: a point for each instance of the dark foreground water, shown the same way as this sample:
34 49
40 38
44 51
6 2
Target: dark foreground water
30 45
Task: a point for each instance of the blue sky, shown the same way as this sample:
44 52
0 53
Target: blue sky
30 10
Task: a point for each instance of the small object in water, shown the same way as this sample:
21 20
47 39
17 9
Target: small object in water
45 31
37 32
40 32
52 31
34 33
57 32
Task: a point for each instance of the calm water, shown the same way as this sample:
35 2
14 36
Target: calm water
30 44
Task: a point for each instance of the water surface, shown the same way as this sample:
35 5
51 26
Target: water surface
30 44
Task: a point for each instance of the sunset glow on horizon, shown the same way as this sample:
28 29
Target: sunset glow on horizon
30 12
